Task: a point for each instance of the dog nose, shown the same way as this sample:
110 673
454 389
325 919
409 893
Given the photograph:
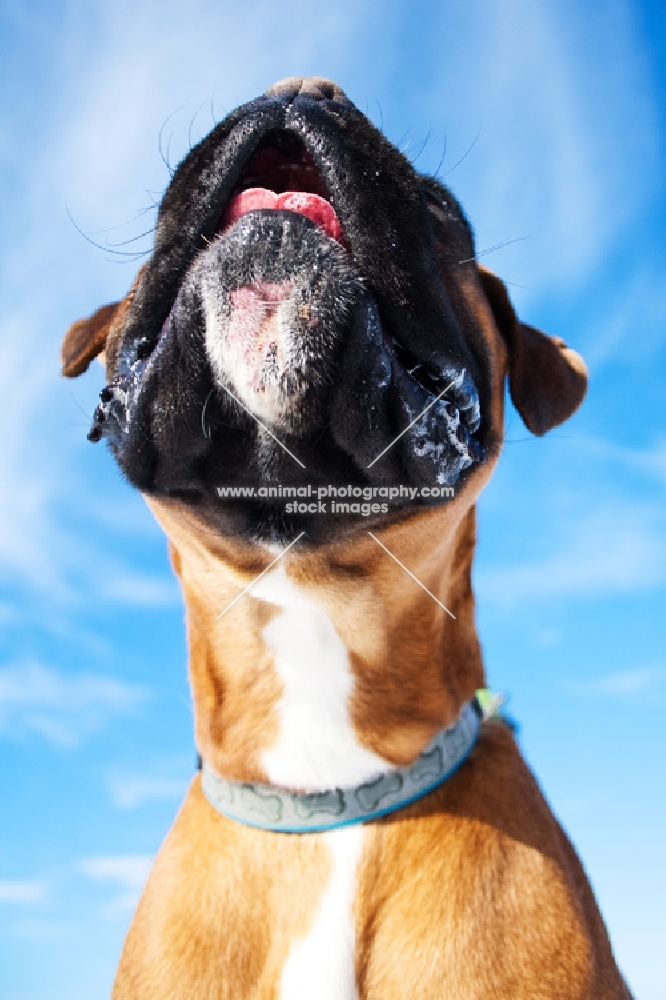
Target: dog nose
314 87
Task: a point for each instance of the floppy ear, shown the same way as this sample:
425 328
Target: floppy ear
86 339
547 380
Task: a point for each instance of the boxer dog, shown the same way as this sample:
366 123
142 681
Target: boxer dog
364 826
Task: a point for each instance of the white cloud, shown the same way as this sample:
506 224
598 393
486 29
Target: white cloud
25 892
62 708
128 870
569 147
109 142
27 471
129 791
139 590
612 549
622 683
547 638
51 538
631 306
45 536
126 873
650 461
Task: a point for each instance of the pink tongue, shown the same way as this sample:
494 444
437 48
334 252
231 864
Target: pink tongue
316 208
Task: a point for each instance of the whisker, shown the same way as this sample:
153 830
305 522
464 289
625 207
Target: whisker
442 158
122 225
465 154
422 146
192 121
165 159
134 255
88 416
381 116
204 427
132 239
498 246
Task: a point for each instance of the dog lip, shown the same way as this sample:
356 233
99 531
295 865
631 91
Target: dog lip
457 390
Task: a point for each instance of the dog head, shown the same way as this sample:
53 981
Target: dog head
312 313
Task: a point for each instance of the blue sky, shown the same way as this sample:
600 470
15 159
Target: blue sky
548 119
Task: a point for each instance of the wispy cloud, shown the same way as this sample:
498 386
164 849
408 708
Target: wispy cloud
623 683
617 548
28 471
650 460
140 590
110 137
62 708
48 538
628 307
568 158
128 791
25 892
129 870
126 873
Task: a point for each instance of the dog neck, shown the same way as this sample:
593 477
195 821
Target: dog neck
334 665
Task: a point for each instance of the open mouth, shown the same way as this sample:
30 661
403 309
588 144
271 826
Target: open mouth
281 175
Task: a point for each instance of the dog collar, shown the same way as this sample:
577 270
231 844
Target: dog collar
270 808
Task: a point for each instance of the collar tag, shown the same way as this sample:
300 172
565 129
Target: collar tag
490 703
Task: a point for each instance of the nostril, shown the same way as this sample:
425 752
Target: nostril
144 348
288 87
322 90
317 88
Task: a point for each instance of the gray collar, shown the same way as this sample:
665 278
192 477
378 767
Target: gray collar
270 808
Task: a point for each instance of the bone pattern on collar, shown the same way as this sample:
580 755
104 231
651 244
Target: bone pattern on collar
267 807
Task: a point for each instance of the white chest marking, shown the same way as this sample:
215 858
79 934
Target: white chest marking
322 964
317 747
